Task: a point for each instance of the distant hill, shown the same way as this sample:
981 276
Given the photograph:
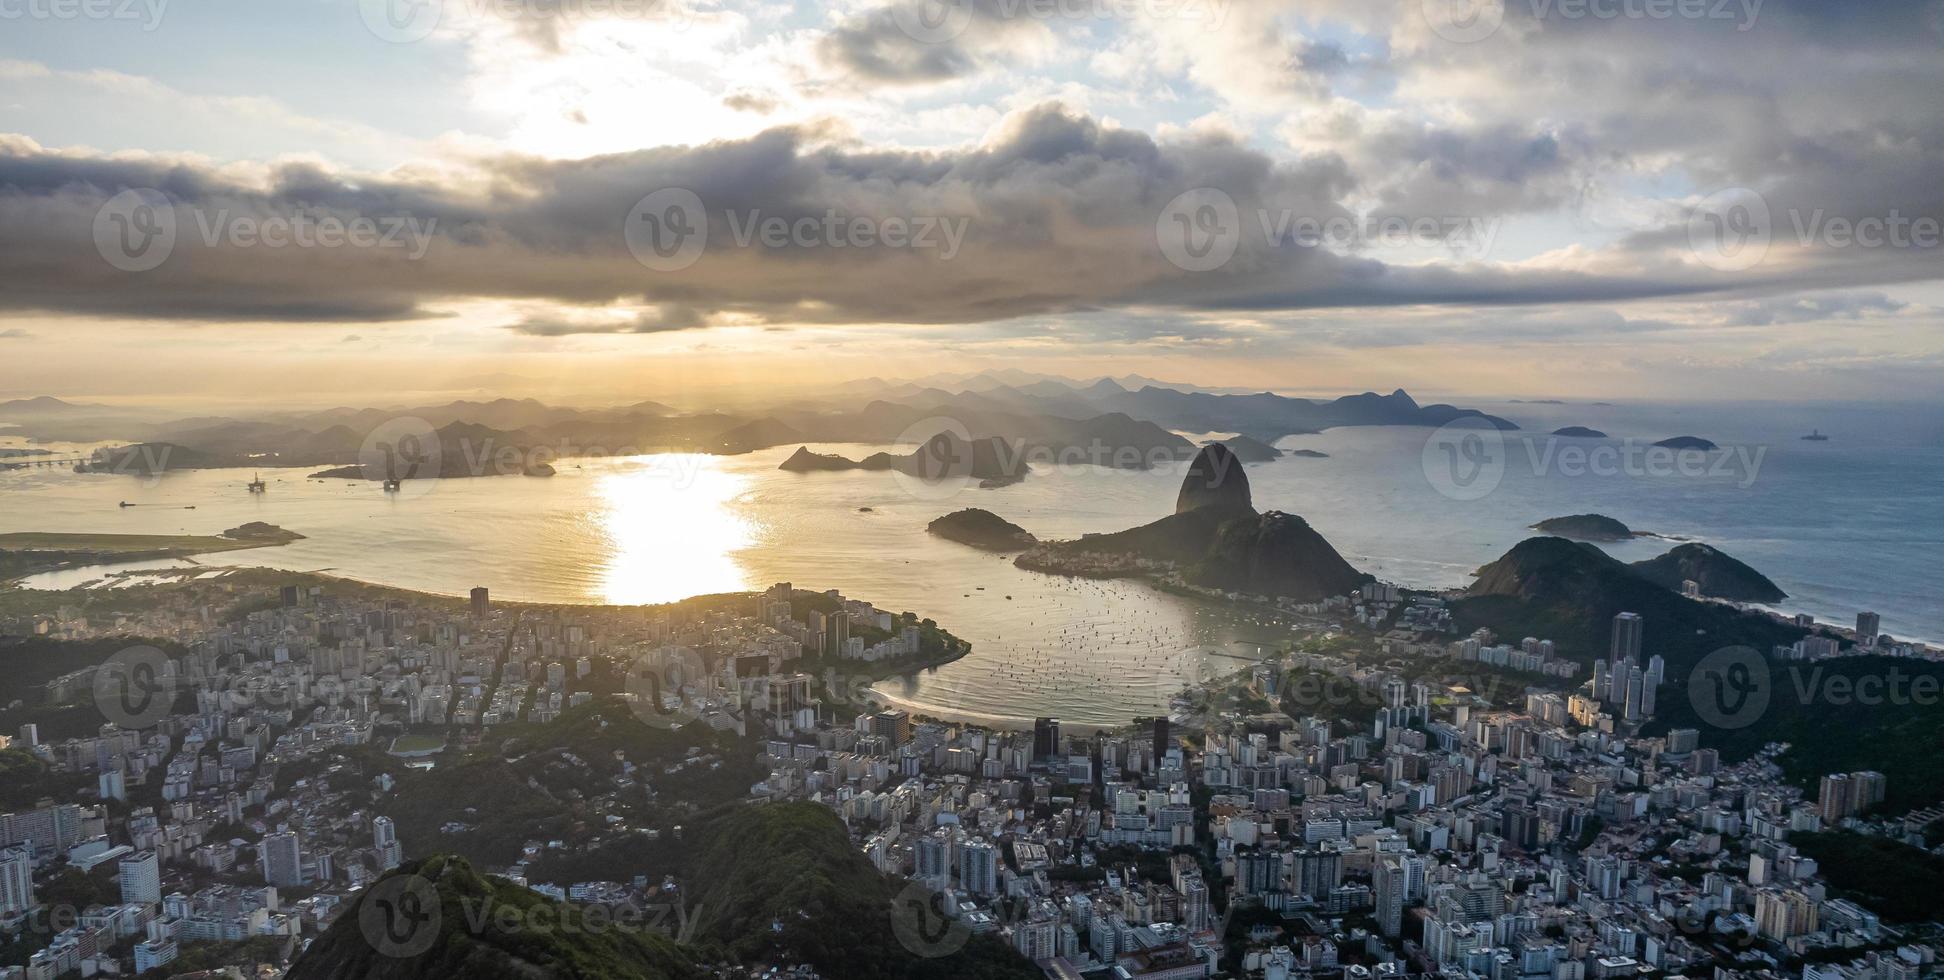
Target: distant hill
468 936
1587 527
1568 591
982 529
1249 450
944 456
46 405
1719 575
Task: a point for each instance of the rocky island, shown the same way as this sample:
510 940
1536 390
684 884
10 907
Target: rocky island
982 529
1687 442
1215 539
946 456
1587 527
1579 432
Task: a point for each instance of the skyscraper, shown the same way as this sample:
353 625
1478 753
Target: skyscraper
384 839
1046 738
1388 886
481 602
1869 626
1627 629
282 859
16 880
141 879
979 867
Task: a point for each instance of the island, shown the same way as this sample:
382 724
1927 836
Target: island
1309 454
1248 449
946 456
982 529
1579 432
1587 527
1687 442
1215 541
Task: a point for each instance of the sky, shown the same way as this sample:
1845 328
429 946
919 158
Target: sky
332 200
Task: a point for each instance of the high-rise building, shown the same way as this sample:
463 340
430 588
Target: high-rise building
1046 738
1836 799
16 880
893 726
282 860
384 839
1388 886
1869 626
932 856
481 602
836 633
29 735
141 879
979 867
1627 630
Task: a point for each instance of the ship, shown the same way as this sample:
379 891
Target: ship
1815 435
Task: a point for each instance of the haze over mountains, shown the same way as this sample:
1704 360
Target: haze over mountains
1125 426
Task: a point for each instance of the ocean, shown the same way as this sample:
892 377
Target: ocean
1842 525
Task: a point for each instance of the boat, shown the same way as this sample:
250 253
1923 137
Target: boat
126 504
1815 435
391 486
